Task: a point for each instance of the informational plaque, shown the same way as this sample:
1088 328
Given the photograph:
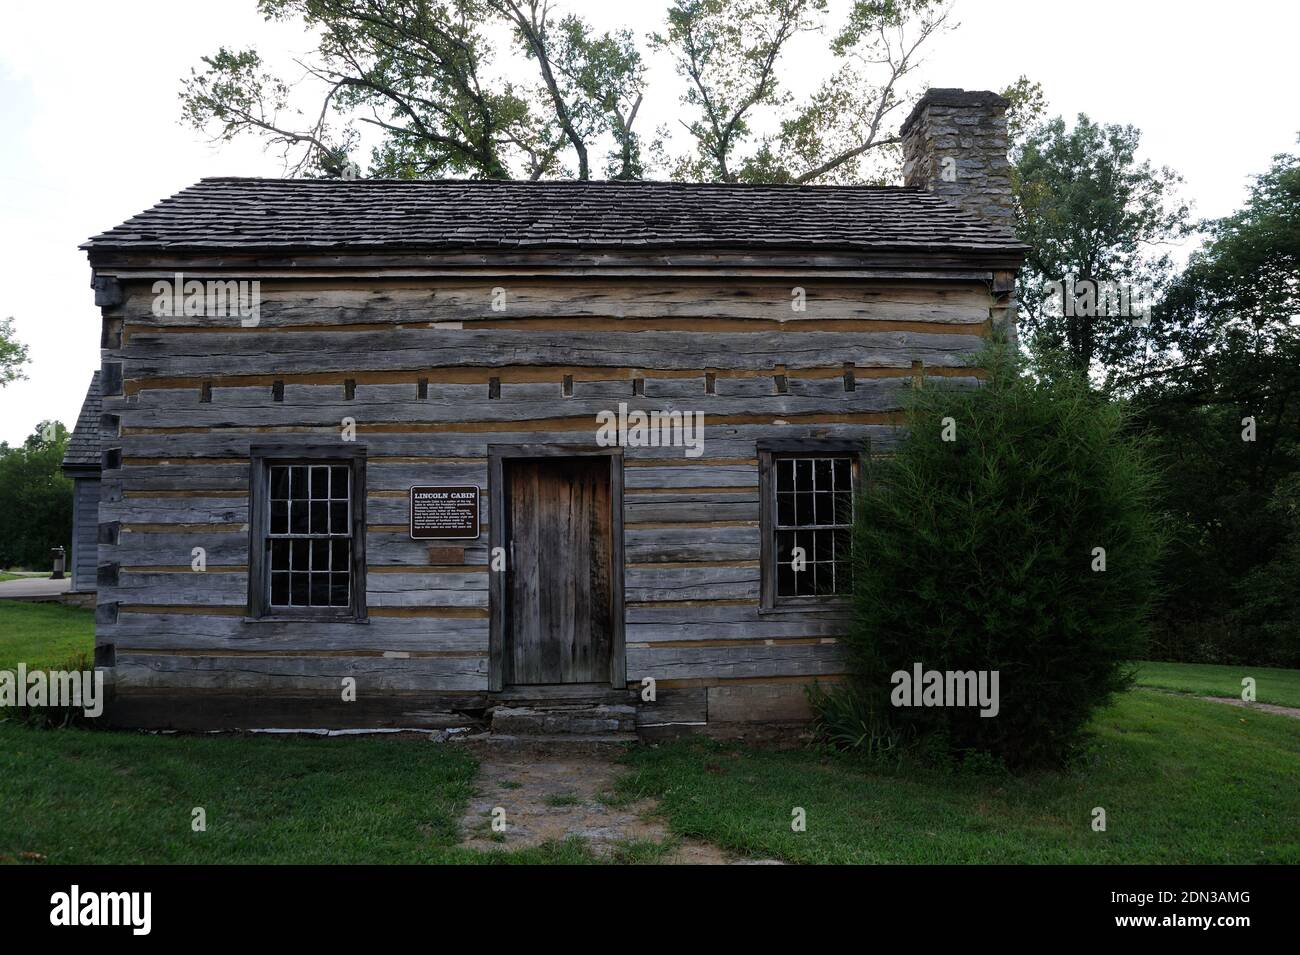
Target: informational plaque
444 513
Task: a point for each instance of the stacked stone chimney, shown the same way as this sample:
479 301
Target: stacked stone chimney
955 145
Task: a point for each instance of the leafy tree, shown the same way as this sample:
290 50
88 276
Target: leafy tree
975 549
13 353
1094 218
427 77
421 74
1221 394
728 51
35 498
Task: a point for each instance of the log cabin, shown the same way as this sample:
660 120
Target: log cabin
81 466
380 454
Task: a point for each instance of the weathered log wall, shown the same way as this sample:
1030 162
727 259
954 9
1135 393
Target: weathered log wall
431 376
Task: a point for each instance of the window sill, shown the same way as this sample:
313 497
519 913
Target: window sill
823 606
307 618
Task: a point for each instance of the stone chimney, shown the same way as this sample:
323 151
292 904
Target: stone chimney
955 145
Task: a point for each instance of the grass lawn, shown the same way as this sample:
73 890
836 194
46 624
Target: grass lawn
1204 679
1182 781
78 796
43 634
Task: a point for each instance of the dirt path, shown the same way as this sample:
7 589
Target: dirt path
1291 711
553 796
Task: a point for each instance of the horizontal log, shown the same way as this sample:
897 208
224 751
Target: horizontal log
650 545
691 508
281 673
149 355
283 304
228 545
690 582
737 441
665 622
734 660
317 407
190 632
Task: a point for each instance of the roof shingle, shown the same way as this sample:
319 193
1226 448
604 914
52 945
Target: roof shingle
457 215
83 446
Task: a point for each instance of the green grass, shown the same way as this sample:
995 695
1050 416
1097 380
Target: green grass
1203 679
76 796
43 635
1182 781
5 577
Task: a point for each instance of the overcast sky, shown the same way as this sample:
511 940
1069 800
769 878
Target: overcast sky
89 110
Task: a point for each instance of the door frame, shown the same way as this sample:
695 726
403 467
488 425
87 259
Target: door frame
498 593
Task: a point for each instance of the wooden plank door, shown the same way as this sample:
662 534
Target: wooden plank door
558 627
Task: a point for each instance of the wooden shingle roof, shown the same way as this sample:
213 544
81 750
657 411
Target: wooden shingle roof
481 216
83 444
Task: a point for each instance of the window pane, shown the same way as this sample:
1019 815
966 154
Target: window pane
279 555
803 510
298 515
342 554
338 517
279 517
320 590
338 482
785 584
825 507
320 483
320 517
279 590
301 558
844 508
843 545
823 545
785 509
843 474
320 555
339 596
822 469
279 483
298 483
785 541
785 474
803 474
300 585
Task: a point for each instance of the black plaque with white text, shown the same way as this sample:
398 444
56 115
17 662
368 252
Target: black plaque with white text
444 513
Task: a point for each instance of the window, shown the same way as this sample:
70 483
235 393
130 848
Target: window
308 534
807 520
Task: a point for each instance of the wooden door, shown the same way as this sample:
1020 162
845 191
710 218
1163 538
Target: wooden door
558 625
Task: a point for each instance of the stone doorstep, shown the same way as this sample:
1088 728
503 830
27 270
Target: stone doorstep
601 719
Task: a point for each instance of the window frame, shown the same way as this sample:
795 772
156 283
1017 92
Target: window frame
261 459
769 452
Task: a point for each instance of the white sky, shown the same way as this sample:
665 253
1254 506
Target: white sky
89 110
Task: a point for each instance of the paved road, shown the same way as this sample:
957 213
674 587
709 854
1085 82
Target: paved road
30 588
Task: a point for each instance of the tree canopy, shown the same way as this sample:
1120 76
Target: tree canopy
510 89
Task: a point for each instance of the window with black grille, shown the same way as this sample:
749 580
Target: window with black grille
808 526
311 536
308 537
